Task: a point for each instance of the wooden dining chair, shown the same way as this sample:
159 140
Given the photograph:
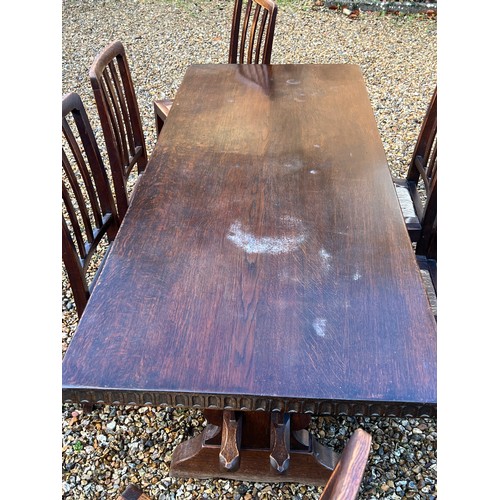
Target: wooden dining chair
421 215
118 110
426 255
250 42
89 212
343 484
245 44
417 193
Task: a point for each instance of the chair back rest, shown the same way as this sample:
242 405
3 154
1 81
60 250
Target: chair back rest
423 164
258 26
423 169
89 211
120 119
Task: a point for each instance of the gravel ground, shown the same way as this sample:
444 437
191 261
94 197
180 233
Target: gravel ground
110 447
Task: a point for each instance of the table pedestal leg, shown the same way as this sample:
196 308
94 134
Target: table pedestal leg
255 446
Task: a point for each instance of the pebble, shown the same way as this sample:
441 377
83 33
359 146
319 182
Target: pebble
398 58
111 426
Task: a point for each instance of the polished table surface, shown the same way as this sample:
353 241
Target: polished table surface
264 262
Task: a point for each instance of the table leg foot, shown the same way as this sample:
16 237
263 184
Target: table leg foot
306 461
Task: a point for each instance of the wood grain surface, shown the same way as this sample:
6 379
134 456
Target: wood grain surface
264 256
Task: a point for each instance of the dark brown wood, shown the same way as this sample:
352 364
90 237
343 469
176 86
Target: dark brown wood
343 483
161 109
266 246
424 166
132 492
89 212
280 441
418 191
427 241
229 455
428 270
309 462
116 103
264 265
426 252
252 40
346 478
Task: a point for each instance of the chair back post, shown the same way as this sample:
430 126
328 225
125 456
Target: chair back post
87 198
268 46
235 27
74 269
118 111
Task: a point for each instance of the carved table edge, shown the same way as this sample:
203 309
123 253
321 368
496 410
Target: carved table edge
250 403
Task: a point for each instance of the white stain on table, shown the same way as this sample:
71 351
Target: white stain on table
273 245
319 325
293 165
325 259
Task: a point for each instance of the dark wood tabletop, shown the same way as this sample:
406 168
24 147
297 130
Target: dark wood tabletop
264 261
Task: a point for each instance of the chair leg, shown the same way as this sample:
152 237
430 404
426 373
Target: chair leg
346 478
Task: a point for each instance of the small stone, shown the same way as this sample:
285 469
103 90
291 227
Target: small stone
102 439
242 489
111 425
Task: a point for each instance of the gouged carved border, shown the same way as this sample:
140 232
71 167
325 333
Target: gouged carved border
249 403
